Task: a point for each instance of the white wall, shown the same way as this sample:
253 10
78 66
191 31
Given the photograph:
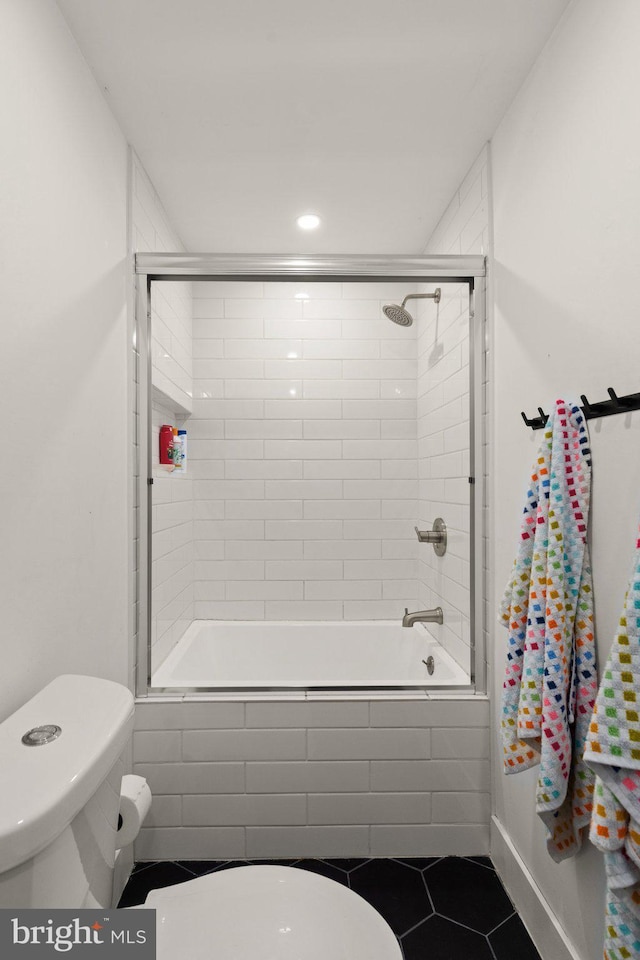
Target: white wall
566 176
63 243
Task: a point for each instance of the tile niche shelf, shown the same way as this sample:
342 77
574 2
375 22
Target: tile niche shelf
167 394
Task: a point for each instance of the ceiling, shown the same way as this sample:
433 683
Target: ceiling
246 113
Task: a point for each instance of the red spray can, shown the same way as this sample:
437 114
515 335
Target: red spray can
166 443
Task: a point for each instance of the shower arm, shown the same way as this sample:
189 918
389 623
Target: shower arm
423 296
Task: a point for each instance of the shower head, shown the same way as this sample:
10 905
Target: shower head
399 315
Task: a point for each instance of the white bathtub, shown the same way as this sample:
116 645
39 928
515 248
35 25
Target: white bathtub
256 654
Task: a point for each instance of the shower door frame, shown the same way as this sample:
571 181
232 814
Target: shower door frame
469 270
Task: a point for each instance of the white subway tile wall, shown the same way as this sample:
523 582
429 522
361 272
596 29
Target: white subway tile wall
172 567
443 416
303 451
171 352
338 451
305 778
171 342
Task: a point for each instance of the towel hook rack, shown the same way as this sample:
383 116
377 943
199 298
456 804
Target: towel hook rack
536 423
603 408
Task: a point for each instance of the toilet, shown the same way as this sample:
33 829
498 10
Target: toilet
61 757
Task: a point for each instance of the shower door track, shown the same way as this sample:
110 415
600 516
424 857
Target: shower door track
469 270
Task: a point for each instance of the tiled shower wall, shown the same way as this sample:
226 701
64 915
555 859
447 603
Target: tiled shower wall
303 452
313 778
443 415
171 344
172 564
172 570
443 462
150 231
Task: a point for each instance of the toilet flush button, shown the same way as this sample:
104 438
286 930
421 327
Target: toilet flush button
38 736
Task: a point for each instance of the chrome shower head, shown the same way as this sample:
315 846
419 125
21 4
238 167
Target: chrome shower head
399 315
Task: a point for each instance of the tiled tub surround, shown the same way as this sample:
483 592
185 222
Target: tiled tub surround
443 412
172 547
171 353
172 568
443 462
314 777
303 452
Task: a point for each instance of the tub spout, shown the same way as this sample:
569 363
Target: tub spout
422 616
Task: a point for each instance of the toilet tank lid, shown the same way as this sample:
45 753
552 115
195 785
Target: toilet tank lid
45 786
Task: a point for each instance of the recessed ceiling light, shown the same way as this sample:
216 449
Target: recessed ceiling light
308 221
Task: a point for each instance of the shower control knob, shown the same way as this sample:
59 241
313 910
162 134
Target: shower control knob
437 536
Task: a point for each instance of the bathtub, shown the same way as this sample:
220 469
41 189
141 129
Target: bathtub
303 655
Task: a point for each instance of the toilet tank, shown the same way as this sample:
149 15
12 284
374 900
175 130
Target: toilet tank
60 797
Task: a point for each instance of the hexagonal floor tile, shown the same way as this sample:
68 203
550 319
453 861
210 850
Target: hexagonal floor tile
160 874
484 861
396 891
270 862
200 867
322 868
212 865
142 865
419 863
440 939
474 919
512 940
346 864
468 893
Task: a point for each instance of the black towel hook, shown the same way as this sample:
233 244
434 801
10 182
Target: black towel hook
627 403
536 423
586 406
603 408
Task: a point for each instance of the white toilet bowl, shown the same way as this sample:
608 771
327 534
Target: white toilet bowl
268 912
60 756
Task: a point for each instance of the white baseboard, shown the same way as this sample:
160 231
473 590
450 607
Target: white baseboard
541 922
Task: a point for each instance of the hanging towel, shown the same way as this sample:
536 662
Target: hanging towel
613 753
550 682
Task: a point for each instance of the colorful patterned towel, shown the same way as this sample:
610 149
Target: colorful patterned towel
550 682
613 753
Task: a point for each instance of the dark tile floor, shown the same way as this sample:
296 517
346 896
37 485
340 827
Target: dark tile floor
449 908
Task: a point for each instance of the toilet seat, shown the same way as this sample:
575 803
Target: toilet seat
268 913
